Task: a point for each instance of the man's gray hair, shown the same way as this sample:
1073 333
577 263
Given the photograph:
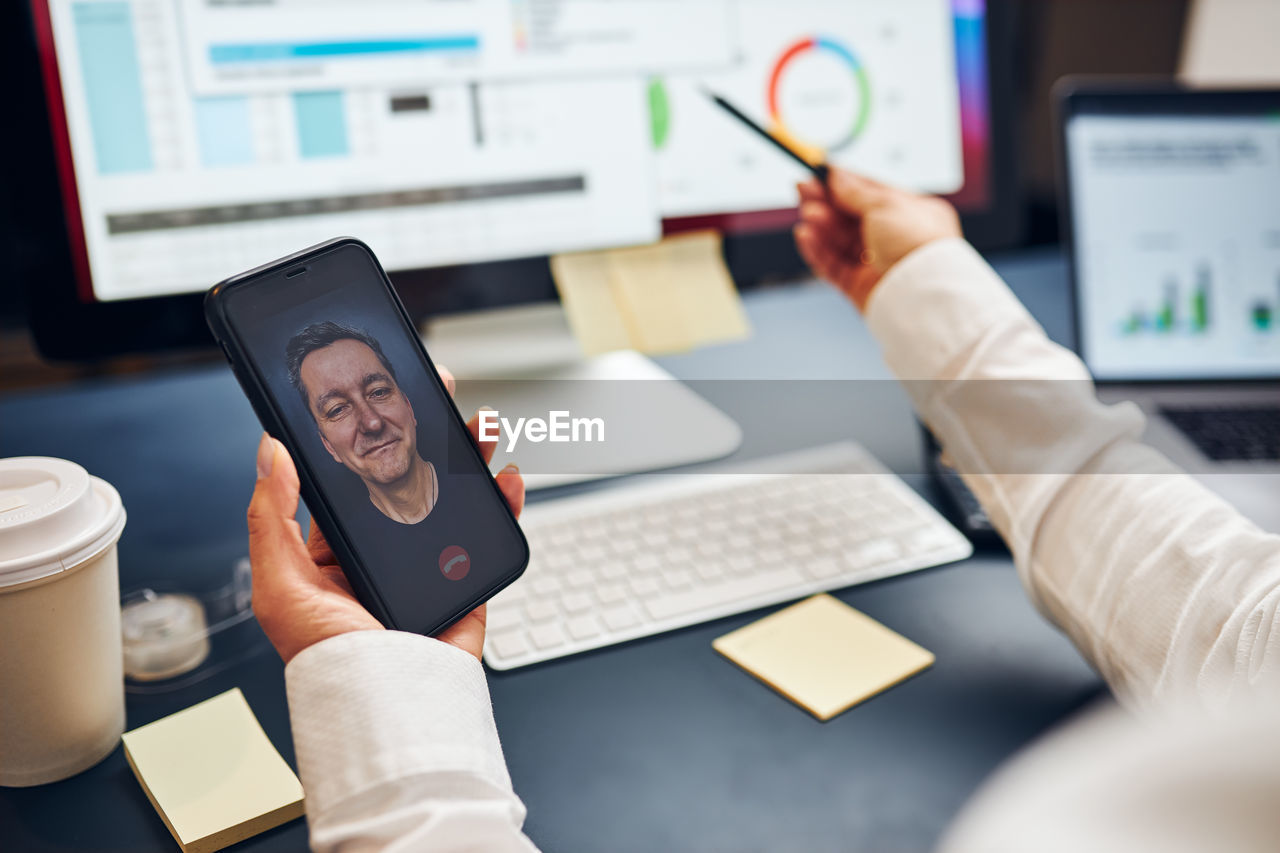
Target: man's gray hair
318 336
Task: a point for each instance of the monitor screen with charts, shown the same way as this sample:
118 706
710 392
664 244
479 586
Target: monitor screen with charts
1175 221
198 138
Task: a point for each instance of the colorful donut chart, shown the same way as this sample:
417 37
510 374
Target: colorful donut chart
860 80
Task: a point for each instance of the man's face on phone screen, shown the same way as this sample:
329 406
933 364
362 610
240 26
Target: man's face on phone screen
365 421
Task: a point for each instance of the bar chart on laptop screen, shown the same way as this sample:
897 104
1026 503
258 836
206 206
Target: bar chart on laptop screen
1178 231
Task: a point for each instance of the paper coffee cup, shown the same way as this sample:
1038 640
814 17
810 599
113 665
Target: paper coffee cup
61 685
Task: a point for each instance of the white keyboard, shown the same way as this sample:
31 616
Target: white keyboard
672 551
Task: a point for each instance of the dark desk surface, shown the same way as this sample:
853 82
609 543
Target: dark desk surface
655 745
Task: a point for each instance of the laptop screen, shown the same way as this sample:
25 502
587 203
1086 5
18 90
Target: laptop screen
1176 223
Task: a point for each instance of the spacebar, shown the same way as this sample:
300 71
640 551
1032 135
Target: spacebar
704 597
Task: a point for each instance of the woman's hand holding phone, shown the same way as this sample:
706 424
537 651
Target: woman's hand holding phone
300 594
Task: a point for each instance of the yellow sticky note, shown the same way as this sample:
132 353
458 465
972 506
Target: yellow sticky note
213 775
586 292
671 296
823 655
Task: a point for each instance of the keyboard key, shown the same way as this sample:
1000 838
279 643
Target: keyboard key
676 555
547 636
800 550
625 524
540 611
677 578
768 536
620 618
829 544
686 533
613 571
702 597
545 584
509 644
655 539
873 553
622 545
710 570
798 527
500 618
646 563
770 557
611 593
644 587
577 601
583 627
512 595
1226 433
710 548
579 578
821 567
558 559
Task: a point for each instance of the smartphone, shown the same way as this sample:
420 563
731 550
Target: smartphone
334 369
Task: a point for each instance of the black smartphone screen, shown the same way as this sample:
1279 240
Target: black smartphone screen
370 422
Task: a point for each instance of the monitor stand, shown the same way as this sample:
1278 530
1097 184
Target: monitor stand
512 359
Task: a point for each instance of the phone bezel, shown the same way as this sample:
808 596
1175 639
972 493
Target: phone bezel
254 386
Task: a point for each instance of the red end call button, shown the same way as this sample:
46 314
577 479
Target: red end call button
455 562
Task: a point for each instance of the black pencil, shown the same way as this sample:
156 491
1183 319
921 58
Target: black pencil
820 171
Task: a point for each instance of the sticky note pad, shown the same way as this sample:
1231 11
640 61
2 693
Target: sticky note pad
823 655
584 280
213 775
669 297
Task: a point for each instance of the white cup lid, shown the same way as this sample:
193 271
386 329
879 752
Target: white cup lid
53 517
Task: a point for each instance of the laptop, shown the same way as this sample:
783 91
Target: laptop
1171 219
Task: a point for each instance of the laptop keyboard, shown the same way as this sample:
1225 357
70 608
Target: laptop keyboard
1231 433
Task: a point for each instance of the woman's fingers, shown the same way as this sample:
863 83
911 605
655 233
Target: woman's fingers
445 376
829 264
319 548
467 633
511 483
811 190
854 194
487 448
282 567
841 233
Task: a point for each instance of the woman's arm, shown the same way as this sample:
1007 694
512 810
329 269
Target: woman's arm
1161 584
397 748
396 744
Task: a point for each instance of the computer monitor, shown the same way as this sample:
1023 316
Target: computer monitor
1173 225
185 140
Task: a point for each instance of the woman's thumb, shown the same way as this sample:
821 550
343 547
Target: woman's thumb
266 456
275 495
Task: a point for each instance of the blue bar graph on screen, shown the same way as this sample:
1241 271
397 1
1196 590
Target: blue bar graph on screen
113 87
228 54
322 124
224 131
